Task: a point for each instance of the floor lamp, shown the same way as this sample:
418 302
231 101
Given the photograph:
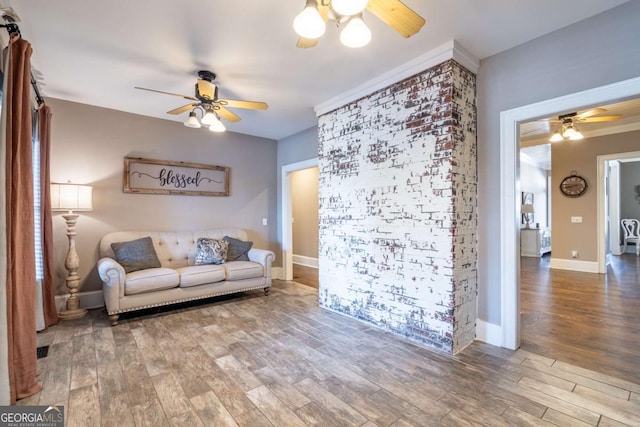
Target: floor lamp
71 197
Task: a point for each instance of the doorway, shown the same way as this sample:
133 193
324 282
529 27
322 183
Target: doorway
286 220
510 187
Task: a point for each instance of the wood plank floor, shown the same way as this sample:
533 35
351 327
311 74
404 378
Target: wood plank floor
589 320
282 361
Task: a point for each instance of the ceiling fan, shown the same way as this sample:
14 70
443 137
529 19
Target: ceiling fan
207 102
566 125
310 24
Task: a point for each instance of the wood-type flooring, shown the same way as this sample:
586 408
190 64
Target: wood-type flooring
590 320
280 361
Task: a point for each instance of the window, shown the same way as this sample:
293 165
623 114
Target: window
37 219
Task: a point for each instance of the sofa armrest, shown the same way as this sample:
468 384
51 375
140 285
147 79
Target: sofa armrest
265 258
112 275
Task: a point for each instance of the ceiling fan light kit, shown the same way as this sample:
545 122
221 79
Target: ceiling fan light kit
356 33
310 24
348 7
192 121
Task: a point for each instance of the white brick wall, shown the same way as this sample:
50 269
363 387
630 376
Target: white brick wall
398 208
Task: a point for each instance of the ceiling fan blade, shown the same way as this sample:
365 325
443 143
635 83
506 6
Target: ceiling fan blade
191 98
206 89
306 43
226 114
591 112
183 109
397 15
251 105
602 119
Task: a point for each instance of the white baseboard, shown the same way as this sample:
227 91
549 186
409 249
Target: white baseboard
91 299
305 260
574 265
277 273
489 332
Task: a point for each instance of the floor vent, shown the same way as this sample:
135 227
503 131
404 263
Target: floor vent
42 351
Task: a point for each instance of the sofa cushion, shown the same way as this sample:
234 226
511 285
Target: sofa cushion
136 254
200 274
238 270
150 280
238 249
210 251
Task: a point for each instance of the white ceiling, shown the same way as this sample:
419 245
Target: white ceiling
95 52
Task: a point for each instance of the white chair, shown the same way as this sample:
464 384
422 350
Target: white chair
631 229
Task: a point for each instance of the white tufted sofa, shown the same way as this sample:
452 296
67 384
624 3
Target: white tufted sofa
178 279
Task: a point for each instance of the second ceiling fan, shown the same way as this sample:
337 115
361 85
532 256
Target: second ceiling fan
310 24
207 101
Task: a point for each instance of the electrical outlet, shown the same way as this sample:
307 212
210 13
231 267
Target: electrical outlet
574 254
576 219
264 221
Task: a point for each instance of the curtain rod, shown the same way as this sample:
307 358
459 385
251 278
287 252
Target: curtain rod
12 28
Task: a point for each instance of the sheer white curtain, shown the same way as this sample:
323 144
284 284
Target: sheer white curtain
40 322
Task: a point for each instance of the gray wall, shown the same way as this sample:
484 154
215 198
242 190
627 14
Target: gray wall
293 149
88 147
629 197
591 53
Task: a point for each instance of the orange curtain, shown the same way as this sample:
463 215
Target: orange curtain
21 276
48 284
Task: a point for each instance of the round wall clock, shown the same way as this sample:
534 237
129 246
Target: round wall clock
573 185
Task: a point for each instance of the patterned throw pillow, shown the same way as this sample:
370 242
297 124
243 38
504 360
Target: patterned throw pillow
211 251
238 249
136 255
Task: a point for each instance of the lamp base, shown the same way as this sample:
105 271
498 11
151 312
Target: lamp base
78 313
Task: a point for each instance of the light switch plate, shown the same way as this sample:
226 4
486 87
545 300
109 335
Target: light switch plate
576 219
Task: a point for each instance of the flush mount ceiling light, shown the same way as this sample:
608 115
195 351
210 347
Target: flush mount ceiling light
310 24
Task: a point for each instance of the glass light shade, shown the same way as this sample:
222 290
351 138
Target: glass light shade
556 137
208 118
192 121
348 7
356 33
217 126
71 197
309 24
569 132
577 136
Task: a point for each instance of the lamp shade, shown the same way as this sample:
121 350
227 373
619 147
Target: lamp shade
356 33
71 197
309 23
527 209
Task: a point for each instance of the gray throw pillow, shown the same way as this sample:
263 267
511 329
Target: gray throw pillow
210 251
238 249
136 255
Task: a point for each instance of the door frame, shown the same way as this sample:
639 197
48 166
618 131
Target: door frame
510 188
602 216
287 209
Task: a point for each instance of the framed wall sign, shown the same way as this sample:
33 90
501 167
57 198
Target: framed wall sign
164 177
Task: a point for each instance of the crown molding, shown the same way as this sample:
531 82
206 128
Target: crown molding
444 52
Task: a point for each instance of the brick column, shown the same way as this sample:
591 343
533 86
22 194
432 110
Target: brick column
398 211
